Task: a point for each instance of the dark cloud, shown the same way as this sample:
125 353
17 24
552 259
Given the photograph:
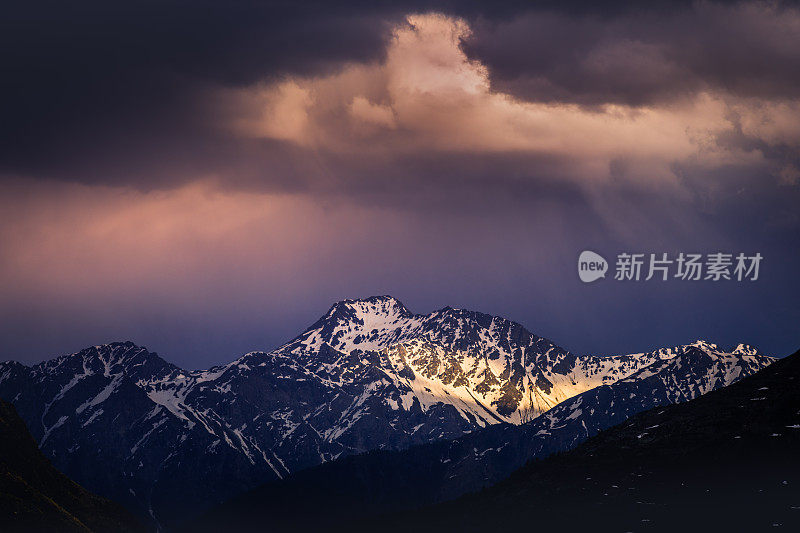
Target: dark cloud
112 92
643 56
97 91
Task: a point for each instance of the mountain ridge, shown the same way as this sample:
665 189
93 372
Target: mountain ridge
675 467
368 374
385 481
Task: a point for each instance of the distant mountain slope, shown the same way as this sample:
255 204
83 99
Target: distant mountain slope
34 496
369 374
729 461
385 481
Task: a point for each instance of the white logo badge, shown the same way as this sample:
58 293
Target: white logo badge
591 266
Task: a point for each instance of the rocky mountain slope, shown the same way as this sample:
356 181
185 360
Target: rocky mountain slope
725 462
386 481
34 496
367 375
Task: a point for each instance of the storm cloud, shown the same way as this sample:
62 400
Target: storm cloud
206 178
129 94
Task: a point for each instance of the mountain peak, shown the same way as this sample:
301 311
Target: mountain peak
380 301
745 349
740 349
374 305
352 322
107 359
705 345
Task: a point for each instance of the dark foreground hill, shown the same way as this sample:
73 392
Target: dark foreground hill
727 461
34 496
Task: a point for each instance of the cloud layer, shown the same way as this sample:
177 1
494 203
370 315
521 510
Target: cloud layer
209 180
428 97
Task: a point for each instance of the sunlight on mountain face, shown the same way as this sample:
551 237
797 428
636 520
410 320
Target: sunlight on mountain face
427 95
488 369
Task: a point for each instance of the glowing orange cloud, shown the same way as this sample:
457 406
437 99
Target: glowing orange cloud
427 95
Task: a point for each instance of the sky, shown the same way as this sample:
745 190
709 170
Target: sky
208 178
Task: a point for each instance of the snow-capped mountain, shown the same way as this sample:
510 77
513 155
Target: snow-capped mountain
367 375
349 494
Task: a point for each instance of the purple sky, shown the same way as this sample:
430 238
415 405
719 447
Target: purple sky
208 179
